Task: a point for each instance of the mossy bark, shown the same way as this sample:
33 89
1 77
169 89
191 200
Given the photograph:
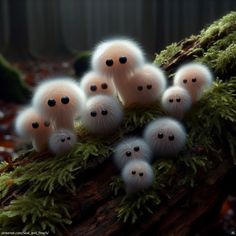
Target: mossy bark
83 189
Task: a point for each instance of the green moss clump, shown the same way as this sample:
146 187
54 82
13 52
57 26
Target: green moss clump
164 56
12 87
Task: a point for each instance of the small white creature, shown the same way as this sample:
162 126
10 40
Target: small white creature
29 124
194 77
131 149
166 136
176 101
93 83
62 141
137 175
102 114
60 100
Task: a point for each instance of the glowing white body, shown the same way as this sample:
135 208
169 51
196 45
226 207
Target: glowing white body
29 124
144 86
194 77
93 84
118 59
166 136
60 100
102 114
62 141
131 149
176 101
137 175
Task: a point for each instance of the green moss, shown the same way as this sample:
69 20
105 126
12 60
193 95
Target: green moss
12 86
164 56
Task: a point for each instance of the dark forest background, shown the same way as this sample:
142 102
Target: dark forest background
49 29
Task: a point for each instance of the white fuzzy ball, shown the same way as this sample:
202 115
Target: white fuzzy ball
62 141
176 101
93 83
60 100
195 78
117 57
102 115
137 175
166 136
131 149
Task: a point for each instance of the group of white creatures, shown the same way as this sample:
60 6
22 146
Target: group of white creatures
119 77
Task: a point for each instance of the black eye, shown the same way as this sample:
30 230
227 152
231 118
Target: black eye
140 88
93 88
178 100
62 140
104 112
46 123
128 154
160 135
93 113
141 174
68 138
65 100
35 125
171 100
51 102
109 62
123 60
133 172
136 149
185 81
104 86
171 137
149 86
194 80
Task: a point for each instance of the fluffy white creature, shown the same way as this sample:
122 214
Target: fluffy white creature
137 175
29 124
62 141
194 77
60 100
102 114
93 83
131 149
176 101
166 136
144 86
118 59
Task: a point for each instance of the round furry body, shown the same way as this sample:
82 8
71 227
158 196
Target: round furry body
117 57
195 78
29 124
145 86
102 115
137 175
176 101
131 149
93 84
62 141
60 100
166 136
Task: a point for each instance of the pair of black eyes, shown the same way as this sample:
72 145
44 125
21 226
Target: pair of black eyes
161 136
35 125
172 100
122 60
103 112
128 153
193 80
63 139
140 88
93 88
52 102
133 172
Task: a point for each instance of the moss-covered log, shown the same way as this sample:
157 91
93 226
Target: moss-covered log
82 193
